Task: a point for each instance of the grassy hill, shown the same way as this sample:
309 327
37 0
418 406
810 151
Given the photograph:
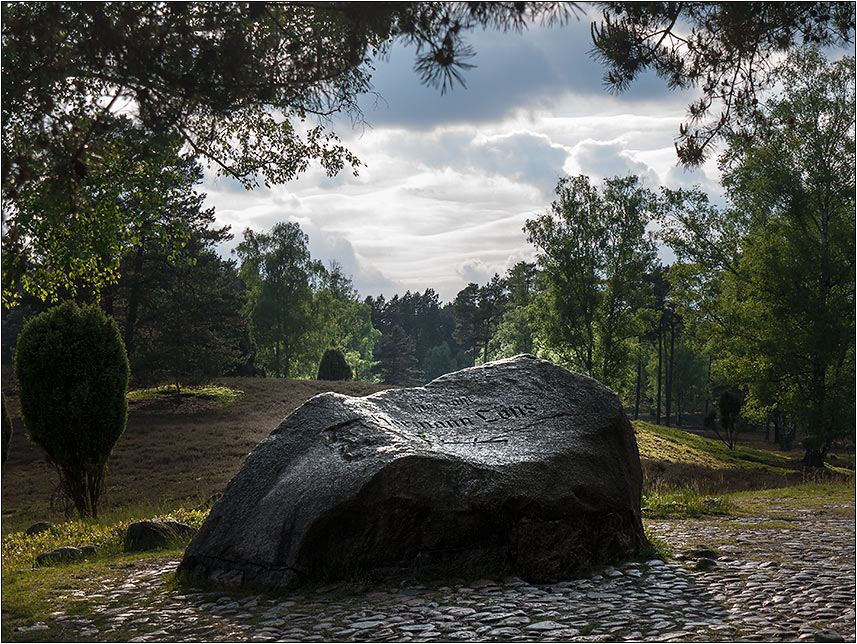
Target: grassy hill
174 450
180 451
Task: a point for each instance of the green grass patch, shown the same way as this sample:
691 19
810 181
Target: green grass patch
19 550
682 503
841 460
657 442
831 497
215 394
655 548
814 491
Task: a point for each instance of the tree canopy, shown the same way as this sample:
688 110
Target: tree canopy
593 251
726 49
770 288
90 89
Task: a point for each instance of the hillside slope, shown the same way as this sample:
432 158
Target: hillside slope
168 452
185 452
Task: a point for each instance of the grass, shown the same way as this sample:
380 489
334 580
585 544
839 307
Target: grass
655 548
831 496
33 595
219 395
19 550
673 445
682 503
688 476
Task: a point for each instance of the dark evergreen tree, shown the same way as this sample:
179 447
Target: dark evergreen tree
333 366
193 328
420 316
468 326
170 232
72 375
396 361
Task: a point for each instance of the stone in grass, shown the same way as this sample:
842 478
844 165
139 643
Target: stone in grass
39 526
153 534
514 467
65 554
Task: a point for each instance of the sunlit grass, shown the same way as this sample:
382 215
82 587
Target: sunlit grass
19 550
811 493
674 445
215 394
682 503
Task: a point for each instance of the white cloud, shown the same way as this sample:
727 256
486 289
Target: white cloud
448 181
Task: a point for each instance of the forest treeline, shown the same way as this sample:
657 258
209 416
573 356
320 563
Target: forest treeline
752 323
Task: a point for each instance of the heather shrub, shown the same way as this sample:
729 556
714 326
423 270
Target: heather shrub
72 374
333 366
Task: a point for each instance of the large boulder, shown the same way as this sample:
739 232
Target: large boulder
518 466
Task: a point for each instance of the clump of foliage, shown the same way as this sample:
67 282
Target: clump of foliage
768 284
333 366
7 429
218 395
72 373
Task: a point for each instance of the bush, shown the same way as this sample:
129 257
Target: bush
333 366
72 374
7 430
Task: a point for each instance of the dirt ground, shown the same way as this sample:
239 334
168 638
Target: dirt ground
167 453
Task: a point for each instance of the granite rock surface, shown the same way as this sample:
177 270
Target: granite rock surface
515 467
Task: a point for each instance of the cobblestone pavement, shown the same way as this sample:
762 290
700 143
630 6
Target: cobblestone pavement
735 579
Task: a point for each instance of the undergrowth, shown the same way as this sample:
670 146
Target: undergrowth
682 503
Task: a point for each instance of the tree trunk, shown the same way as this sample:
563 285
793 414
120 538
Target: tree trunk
784 431
814 457
639 378
133 302
669 377
660 368
707 386
589 355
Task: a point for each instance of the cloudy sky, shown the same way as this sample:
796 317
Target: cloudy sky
449 180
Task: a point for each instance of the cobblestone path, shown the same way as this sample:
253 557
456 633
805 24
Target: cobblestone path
787 576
